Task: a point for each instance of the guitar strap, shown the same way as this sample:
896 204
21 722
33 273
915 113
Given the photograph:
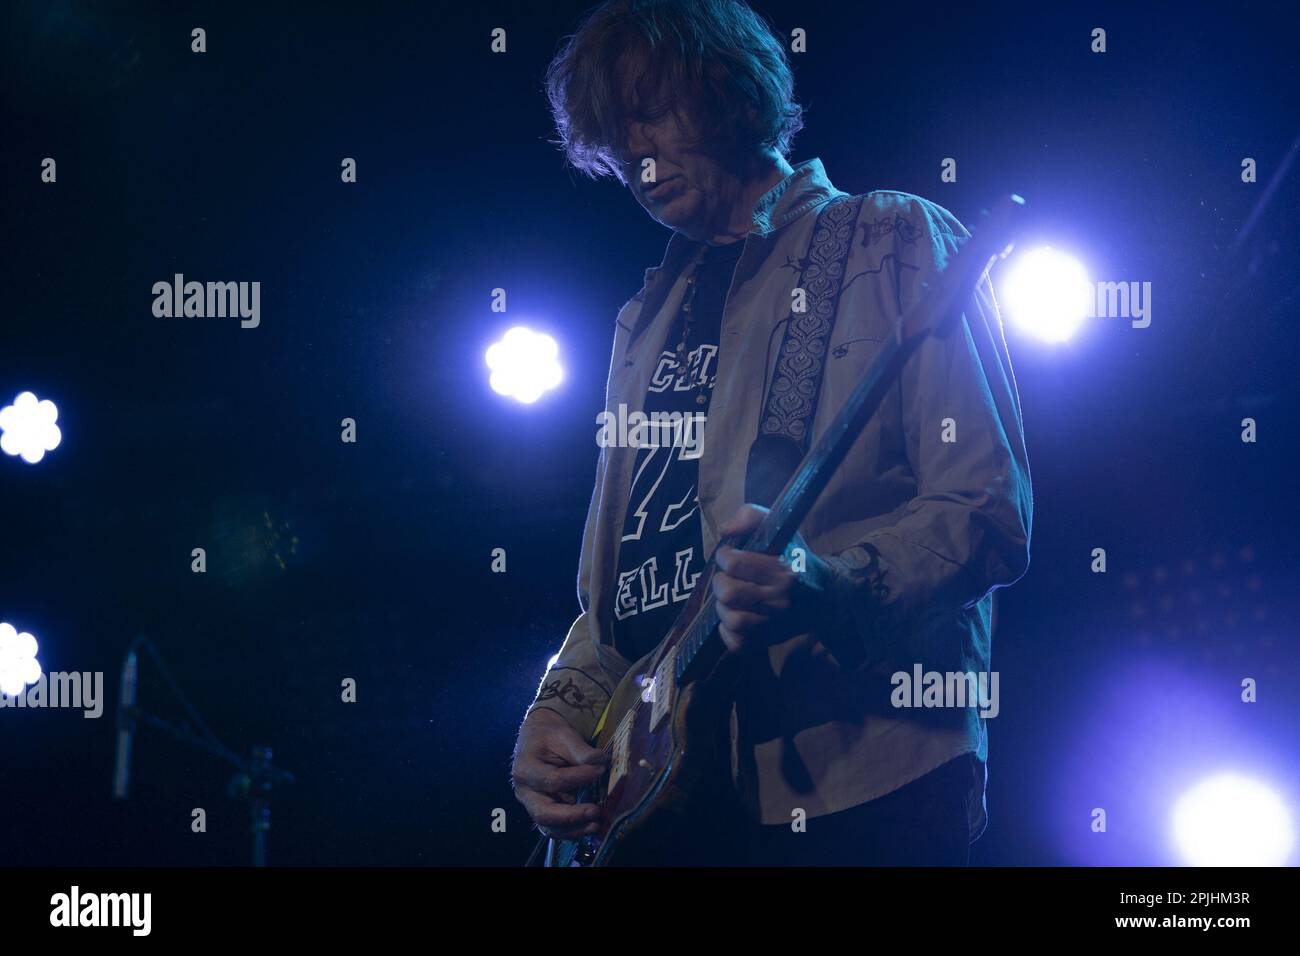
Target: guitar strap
785 426
786 423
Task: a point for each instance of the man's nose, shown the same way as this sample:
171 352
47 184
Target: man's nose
638 145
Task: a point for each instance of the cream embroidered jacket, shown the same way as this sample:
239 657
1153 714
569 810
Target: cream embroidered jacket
929 513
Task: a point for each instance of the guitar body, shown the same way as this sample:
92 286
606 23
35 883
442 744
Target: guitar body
670 764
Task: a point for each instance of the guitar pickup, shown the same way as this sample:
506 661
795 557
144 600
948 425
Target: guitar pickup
619 755
661 689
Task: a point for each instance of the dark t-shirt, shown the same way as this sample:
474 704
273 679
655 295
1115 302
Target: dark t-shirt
660 557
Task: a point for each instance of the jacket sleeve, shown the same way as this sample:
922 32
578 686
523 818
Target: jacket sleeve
577 686
966 531
581 679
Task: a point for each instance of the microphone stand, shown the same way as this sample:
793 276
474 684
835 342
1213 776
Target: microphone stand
254 776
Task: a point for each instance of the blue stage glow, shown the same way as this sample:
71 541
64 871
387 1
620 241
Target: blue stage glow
18 664
1046 293
1231 820
27 428
524 365
1160 770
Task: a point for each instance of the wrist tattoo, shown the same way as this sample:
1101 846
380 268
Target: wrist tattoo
569 693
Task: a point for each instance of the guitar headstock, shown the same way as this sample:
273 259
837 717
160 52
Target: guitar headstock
942 298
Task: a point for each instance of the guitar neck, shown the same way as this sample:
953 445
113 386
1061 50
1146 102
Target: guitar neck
936 310
701 647
814 472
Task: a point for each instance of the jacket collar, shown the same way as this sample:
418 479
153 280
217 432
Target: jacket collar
806 188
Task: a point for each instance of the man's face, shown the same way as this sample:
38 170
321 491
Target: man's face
685 187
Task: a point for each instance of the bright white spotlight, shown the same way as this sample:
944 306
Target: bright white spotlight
18 664
27 428
1047 293
555 659
1232 821
524 364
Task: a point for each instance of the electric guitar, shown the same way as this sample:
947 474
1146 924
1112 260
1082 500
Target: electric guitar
661 726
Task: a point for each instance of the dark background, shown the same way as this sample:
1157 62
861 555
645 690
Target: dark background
183 433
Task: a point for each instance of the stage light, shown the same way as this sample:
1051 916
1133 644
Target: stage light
1047 293
553 661
27 428
18 664
524 365
1230 820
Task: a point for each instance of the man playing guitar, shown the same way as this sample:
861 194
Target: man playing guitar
775 293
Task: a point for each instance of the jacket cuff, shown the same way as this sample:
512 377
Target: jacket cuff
573 694
858 624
